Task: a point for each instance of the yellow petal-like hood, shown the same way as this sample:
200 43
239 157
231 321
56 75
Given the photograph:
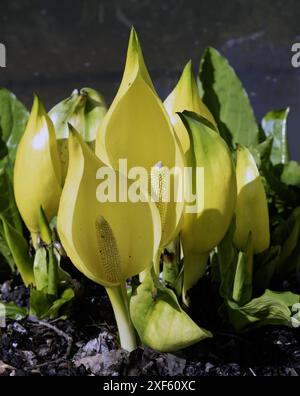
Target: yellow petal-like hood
251 209
137 128
37 172
185 96
205 224
107 241
206 227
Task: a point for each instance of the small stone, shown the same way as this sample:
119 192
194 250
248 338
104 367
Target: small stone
19 328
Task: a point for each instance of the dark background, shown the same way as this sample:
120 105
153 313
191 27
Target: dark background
56 46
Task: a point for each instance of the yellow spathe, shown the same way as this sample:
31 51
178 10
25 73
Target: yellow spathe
185 96
37 172
107 241
137 128
252 208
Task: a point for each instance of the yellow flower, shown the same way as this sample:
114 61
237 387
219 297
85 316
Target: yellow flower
37 172
185 96
252 208
108 241
205 226
137 128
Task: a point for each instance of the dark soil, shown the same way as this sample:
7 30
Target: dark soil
87 344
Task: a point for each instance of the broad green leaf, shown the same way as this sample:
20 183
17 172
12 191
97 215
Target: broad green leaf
43 305
5 252
160 321
227 100
40 269
13 119
12 311
63 302
272 308
3 147
262 152
291 174
40 302
19 249
242 287
284 196
8 207
274 124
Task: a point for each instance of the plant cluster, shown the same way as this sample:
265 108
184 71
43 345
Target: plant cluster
244 234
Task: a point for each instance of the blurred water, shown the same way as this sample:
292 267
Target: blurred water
56 46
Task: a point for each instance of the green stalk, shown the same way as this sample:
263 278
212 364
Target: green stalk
52 272
119 301
194 269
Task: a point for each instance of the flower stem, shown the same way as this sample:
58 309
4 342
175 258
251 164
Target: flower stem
119 301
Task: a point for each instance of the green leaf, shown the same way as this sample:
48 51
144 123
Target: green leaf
12 311
242 287
282 195
6 254
3 148
8 207
272 308
291 174
274 124
62 302
52 272
262 152
160 321
40 269
13 119
226 98
43 305
40 303
19 249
